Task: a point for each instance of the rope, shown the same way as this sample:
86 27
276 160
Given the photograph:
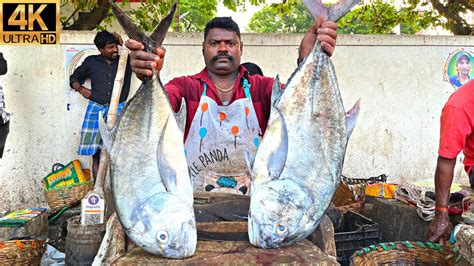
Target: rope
425 205
408 244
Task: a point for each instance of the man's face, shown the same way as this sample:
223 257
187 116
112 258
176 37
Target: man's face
110 51
463 67
222 50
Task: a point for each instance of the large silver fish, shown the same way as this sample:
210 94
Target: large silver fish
150 182
298 165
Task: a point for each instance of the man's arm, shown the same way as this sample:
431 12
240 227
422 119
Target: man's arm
323 31
3 65
78 77
440 228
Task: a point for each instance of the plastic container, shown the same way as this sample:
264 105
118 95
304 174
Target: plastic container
354 231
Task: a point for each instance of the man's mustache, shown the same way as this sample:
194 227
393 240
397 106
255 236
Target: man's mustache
222 55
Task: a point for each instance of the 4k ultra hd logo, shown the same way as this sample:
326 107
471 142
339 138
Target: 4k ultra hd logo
29 22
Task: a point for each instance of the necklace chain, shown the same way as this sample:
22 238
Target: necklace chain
224 91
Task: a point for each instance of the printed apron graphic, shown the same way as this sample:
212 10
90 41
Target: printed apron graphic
216 142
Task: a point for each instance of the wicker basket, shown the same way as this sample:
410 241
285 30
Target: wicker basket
66 196
346 198
406 253
21 252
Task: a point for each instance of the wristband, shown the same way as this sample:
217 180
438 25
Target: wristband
441 209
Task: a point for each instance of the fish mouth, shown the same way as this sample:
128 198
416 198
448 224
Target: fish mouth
259 235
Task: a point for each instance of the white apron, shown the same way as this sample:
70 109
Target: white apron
217 139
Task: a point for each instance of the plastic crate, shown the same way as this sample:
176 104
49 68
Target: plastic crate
353 232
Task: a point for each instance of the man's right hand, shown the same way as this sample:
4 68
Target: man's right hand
440 228
85 92
142 62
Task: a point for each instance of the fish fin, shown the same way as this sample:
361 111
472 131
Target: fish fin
277 158
105 132
159 33
249 160
133 32
181 115
332 13
351 118
167 174
276 91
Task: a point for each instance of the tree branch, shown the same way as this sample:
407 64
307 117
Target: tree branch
90 20
456 23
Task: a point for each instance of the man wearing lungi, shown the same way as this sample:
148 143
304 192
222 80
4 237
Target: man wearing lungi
101 70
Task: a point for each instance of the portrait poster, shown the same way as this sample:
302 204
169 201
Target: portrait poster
459 67
75 55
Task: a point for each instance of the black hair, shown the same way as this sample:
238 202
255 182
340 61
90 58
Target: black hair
102 38
222 23
253 68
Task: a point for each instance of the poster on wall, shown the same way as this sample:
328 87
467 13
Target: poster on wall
458 68
75 55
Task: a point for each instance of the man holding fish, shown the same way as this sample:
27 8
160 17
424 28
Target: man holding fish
227 109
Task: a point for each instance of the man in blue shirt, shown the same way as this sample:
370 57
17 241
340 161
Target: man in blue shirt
463 68
101 70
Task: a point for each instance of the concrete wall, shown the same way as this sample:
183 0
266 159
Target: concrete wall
398 78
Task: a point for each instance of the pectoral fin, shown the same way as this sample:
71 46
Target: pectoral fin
180 116
351 118
167 174
276 91
105 134
277 158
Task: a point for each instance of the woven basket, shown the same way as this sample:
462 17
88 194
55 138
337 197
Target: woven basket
21 252
66 196
406 253
346 199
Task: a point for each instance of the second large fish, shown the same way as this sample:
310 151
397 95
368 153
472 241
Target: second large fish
298 164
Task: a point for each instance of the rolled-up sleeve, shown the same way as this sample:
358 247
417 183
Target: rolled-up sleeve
80 73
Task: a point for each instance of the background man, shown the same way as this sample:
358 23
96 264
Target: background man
457 134
463 68
101 70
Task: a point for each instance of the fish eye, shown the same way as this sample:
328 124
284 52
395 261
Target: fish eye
162 236
281 230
